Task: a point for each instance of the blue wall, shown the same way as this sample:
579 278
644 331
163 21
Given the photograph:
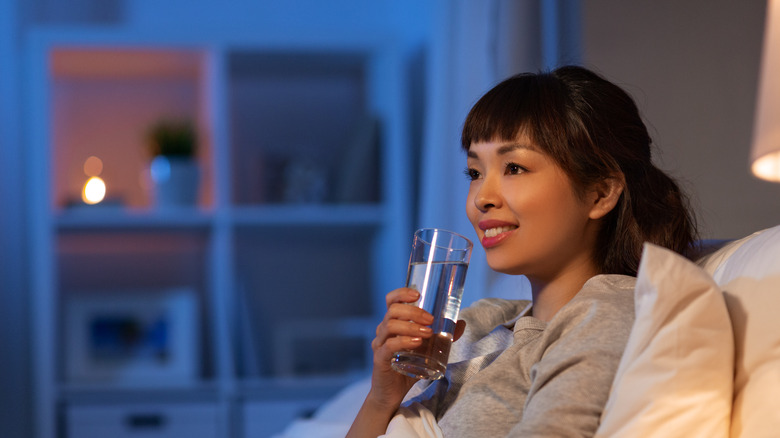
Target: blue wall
15 395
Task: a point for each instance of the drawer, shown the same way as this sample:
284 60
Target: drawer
166 420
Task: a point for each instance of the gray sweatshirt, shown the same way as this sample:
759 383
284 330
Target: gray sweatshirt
511 374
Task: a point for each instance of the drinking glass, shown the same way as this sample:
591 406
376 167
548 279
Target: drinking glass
437 269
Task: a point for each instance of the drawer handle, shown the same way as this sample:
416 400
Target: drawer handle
145 421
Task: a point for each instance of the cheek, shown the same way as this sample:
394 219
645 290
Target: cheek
568 213
471 209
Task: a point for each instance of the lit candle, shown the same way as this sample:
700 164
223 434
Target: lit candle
95 188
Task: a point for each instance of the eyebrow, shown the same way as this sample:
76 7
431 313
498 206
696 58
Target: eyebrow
505 149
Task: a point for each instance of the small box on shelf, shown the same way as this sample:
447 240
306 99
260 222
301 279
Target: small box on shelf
132 339
303 348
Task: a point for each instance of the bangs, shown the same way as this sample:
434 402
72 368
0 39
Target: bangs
527 104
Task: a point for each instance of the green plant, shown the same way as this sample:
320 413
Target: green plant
173 139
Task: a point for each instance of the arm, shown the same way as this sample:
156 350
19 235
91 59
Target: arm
403 327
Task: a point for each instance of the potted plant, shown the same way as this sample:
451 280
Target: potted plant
174 167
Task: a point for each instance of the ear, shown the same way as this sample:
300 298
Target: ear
605 195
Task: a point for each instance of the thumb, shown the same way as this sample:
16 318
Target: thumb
460 327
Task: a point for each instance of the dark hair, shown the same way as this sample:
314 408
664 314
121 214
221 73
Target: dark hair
593 130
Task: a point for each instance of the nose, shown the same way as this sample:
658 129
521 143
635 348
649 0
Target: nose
488 195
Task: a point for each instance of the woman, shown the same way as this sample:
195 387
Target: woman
562 191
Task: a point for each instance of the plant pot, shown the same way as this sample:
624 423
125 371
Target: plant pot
175 181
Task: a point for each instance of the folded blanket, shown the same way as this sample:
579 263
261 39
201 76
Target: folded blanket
413 421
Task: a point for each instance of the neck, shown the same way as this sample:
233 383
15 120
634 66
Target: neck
550 295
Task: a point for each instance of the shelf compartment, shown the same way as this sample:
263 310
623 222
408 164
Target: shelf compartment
302 347
134 283
104 101
286 275
300 128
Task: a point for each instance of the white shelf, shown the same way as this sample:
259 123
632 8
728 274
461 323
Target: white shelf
252 261
316 215
86 393
100 218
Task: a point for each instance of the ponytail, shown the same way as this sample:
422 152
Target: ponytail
652 209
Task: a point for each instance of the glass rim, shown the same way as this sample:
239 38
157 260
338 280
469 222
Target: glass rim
468 243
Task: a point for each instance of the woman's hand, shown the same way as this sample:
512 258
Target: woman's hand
403 328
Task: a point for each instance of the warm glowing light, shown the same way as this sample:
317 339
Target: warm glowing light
768 167
765 151
93 166
94 190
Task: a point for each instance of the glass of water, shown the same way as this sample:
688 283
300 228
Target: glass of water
437 269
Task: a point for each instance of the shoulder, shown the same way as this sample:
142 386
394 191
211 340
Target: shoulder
602 310
608 291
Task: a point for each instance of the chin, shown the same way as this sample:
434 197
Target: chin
504 268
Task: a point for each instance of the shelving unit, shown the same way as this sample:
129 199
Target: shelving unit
301 226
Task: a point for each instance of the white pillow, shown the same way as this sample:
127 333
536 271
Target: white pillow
675 377
750 279
710 263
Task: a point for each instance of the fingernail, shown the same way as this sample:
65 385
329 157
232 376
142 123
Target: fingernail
426 329
416 339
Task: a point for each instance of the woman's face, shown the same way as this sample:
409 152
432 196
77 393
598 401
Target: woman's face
525 212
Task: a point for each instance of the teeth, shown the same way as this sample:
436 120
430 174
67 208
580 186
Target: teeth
493 232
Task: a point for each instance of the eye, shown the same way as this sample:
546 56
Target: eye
471 174
514 169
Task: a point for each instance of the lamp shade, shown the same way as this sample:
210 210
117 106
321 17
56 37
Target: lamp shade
765 151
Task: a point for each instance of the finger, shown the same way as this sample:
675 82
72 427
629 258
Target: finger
385 350
403 326
397 327
460 327
401 295
403 319
408 313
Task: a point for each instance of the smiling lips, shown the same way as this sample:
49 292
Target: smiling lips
495 232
